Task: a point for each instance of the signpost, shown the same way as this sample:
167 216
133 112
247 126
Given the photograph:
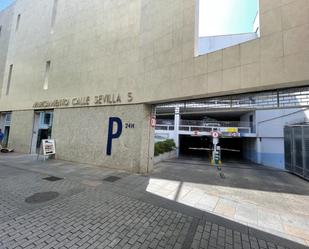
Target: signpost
215 140
216 155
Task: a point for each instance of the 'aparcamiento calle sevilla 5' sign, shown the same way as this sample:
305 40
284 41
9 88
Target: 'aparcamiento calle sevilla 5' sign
107 99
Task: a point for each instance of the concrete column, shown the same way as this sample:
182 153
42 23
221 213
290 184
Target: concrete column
176 129
147 141
21 131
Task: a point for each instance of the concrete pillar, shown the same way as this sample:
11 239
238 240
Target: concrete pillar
176 129
21 131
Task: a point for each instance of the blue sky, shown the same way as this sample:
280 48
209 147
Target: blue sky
220 17
5 3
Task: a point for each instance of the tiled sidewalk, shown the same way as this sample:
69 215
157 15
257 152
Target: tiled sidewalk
267 200
92 213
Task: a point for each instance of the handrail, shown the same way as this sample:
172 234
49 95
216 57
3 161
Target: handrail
205 123
216 123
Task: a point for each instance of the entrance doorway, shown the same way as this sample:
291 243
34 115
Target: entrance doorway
5 124
42 129
6 136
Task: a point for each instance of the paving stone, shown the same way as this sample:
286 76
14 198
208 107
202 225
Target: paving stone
87 217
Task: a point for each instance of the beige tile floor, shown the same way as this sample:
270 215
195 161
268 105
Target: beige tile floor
281 213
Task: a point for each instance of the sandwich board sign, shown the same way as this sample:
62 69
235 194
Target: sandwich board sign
48 147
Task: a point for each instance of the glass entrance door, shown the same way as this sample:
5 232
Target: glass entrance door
6 136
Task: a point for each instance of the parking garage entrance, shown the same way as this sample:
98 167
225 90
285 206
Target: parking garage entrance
194 133
250 126
231 148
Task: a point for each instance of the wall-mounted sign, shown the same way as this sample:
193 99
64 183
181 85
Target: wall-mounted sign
115 129
153 122
113 134
235 134
228 129
230 134
105 99
232 130
49 147
195 133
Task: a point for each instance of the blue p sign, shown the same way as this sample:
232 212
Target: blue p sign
112 135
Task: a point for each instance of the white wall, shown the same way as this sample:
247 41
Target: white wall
268 148
213 43
270 123
272 152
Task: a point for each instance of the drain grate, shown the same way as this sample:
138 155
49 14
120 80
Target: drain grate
52 178
111 178
41 197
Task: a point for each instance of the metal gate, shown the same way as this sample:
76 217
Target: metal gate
296 143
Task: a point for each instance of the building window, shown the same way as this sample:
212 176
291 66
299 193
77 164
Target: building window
17 22
46 120
47 69
225 23
9 80
54 14
8 119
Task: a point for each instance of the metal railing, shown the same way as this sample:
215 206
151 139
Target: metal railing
165 127
188 128
216 123
165 122
205 126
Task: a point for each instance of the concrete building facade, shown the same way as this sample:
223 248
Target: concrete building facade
91 62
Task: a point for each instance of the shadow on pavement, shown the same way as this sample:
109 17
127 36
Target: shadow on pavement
236 175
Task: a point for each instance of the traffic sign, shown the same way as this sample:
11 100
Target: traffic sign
215 134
